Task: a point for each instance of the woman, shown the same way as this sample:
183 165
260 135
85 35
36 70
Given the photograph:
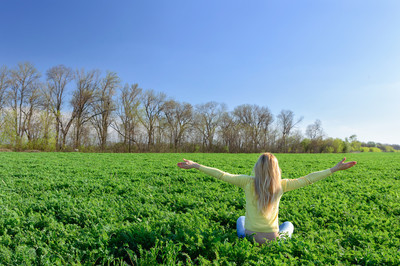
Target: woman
263 192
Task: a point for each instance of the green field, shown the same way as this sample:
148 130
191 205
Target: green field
74 208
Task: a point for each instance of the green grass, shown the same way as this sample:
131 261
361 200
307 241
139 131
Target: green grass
73 208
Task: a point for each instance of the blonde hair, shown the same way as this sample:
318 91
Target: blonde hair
267 182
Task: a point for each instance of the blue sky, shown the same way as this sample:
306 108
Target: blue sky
337 61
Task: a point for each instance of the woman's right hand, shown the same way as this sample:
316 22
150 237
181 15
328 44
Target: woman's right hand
187 164
342 165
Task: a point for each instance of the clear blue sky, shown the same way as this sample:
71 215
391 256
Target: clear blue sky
333 60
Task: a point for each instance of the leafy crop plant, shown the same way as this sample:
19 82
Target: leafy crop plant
75 208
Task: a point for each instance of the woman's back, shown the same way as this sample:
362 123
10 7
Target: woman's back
256 221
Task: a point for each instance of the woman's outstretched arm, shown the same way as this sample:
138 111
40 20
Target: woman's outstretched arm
291 184
237 180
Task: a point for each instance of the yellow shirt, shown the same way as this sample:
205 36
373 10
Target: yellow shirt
255 220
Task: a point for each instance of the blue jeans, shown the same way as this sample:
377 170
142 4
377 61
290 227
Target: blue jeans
286 228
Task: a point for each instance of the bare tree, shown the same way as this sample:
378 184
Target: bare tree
82 99
294 141
58 78
255 122
65 126
45 126
229 132
4 84
207 117
179 118
32 111
153 104
128 114
315 134
103 106
22 85
315 131
286 123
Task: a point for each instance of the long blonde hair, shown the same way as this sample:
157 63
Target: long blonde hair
267 182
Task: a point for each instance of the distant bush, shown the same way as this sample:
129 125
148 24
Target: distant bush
388 148
370 149
374 149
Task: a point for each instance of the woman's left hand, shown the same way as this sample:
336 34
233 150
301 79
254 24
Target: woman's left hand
187 164
342 165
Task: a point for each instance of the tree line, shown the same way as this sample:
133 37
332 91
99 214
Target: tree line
70 110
